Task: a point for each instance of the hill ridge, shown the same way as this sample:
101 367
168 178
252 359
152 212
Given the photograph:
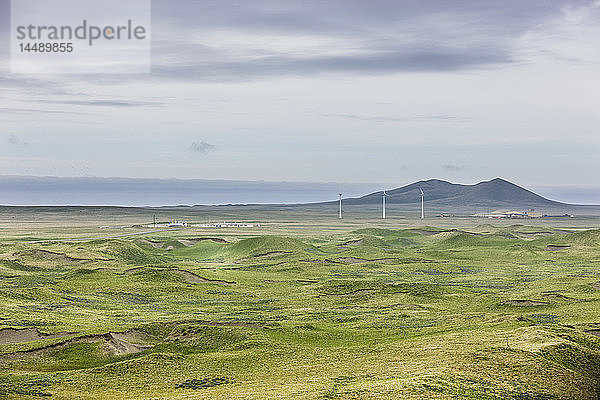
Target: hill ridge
440 195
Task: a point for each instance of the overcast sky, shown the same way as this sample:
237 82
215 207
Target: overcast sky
389 91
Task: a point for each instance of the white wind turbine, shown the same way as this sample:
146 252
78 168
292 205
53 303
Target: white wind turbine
340 216
383 200
422 203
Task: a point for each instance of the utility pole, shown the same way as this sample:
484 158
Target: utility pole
422 204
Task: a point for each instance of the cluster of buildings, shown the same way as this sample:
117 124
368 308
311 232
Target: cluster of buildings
170 224
519 215
182 224
226 225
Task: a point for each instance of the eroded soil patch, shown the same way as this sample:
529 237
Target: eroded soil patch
116 344
272 254
193 241
525 303
193 278
155 244
535 234
351 243
595 332
556 247
13 336
355 260
48 256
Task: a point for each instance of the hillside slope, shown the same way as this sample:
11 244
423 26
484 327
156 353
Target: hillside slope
442 196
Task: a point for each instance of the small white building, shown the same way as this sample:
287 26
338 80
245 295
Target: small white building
173 224
226 225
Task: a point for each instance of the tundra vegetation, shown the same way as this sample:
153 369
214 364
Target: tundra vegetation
407 311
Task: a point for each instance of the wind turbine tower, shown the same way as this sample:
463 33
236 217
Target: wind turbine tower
383 200
340 216
422 204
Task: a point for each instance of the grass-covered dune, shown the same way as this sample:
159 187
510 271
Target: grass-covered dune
492 312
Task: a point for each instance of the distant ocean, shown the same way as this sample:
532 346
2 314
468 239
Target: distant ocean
26 190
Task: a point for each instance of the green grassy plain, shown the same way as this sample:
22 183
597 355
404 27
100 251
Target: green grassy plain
304 307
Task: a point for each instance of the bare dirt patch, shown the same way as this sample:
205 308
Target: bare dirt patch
352 293
352 260
316 261
132 270
535 234
271 254
557 247
402 306
443 234
355 260
12 336
193 241
193 278
351 243
49 256
132 336
115 343
123 343
558 296
525 303
595 332
155 244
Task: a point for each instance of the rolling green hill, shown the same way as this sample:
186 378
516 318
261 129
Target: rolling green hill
483 312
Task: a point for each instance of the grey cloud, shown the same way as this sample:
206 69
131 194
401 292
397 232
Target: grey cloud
33 86
12 110
201 147
14 140
453 168
407 60
343 16
107 103
380 118
367 63
384 36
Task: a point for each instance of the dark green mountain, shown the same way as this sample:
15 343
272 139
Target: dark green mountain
497 192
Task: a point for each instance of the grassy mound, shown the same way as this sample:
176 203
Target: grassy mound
263 245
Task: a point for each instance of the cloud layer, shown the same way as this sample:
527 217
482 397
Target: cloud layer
323 90
201 147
